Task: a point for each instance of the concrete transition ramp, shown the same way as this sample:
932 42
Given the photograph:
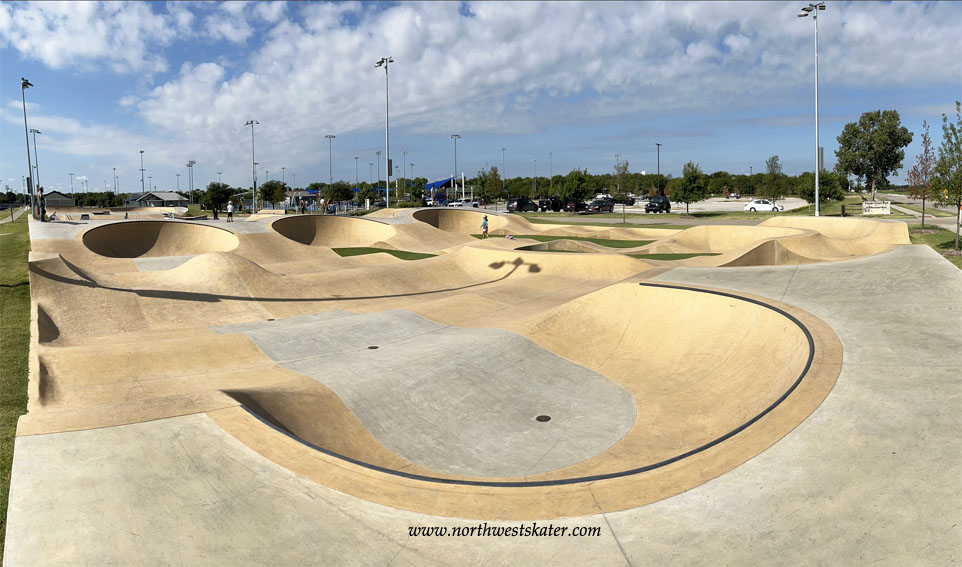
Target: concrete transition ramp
332 231
138 239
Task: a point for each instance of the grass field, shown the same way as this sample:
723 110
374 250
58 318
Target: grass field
929 209
401 254
599 241
14 346
942 241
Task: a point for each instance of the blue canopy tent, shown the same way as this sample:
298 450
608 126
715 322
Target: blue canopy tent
438 197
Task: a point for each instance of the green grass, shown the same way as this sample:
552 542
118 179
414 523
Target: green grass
941 241
929 209
401 254
673 256
14 347
600 241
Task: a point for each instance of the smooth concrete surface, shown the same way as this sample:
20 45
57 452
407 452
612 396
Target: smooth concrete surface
461 401
135 450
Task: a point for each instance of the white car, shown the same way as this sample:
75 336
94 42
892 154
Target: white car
763 205
465 203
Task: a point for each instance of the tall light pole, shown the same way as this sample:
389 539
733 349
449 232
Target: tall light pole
284 175
24 85
142 189
71 183
115 180
550 173
412 170
190 176
178 181
251 123
150 181
404 164
356 183
456 137
219 173
36 155
378 154
502 174
387 129
536 177
658 170
813 9
330 158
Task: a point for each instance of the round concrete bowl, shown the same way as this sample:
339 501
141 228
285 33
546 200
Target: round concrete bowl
146 239
455 220
332 231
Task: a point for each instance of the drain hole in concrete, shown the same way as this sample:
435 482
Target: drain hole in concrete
372 347
543 418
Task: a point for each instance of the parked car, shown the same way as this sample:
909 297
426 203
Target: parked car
464 203
734 196
546 204
763 205
601 206
658 204
628 201
575 206
521 204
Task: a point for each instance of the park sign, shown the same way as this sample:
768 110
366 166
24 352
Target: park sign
876 207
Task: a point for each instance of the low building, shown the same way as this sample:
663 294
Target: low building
58 199
162 199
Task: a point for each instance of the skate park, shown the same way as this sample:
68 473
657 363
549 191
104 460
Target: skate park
205 392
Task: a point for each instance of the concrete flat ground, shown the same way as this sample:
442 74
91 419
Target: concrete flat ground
252 398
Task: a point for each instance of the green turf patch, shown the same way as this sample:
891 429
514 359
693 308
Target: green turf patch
401 254
929 209
599 241
14 347
672 256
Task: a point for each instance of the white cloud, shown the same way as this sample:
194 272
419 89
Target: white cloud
68 34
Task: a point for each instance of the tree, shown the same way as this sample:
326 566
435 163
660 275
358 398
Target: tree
920 176
491 184
773 177
217 194
832 186
947 181
274 191
338 191
690 187
575 188
720 183
872 148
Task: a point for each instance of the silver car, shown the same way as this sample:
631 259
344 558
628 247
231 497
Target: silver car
763 205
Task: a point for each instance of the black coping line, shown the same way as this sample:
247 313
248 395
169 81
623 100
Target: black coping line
597 477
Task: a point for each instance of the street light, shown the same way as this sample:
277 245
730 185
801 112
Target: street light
190 176
387 129
24 85
456 137
71 183
404 164
658 146
378 154
535 177
251 123
330 157
550 173
178 181
219 173
115 180
150 181
36 155
502 175
355 172
813 10
142 189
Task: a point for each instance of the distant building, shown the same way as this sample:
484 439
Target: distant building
58 199
161 199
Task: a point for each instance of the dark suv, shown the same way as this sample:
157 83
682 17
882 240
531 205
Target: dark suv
601 206
546 204
575 206
658 204
522 204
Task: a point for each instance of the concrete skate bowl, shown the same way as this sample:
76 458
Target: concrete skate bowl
333 231
715 377
144 239
469 222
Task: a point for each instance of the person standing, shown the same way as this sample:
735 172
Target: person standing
484 227
230 211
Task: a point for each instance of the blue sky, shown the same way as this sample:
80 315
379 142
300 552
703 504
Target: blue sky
560 85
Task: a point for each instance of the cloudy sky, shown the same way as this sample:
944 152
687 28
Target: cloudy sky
559 85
